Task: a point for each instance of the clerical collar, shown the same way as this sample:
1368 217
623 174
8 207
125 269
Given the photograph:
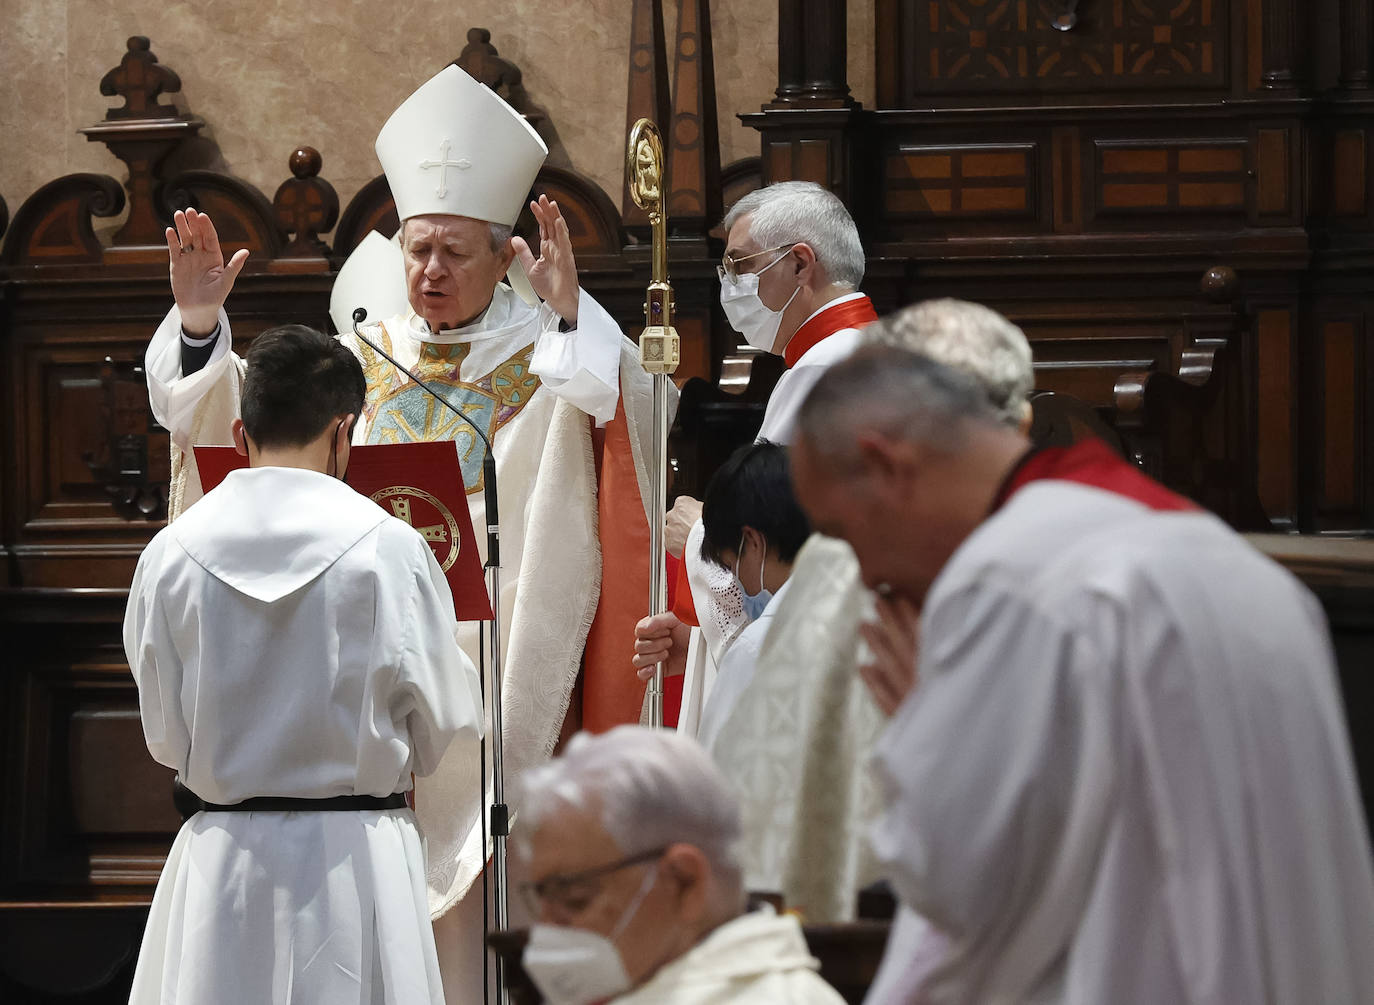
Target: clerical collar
853 310
490 321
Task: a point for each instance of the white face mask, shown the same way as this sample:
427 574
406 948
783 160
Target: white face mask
747 313
572 966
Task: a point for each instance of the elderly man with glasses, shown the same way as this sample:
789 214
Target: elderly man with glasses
630 839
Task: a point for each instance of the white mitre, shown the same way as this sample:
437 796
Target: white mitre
373 278
454 146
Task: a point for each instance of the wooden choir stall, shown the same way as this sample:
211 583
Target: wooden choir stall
1171 197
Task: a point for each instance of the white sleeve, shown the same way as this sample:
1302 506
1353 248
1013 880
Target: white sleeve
998 774
173 397
581 366
438 695
156 668
716 595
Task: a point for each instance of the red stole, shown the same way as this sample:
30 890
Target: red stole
1093 463
837 317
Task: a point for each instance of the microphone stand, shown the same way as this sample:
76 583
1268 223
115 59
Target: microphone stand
500 812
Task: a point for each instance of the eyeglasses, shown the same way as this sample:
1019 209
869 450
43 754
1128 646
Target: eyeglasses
729 267
572 892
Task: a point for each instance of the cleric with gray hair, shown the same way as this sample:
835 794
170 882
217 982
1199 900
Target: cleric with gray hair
971 338
630 841
649 789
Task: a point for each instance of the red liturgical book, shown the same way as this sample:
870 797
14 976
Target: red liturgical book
419 482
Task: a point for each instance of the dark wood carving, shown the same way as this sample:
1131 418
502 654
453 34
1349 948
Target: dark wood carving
306 206
139 79
133 461
53 226
243 217
593 223
966 47
648 91
1357 44
812 55
1279 32
371 208
141 133
693 139
481 61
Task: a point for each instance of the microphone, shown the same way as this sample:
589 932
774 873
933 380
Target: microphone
488 462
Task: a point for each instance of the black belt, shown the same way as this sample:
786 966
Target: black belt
188 803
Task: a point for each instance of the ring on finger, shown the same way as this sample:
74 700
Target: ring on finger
185 248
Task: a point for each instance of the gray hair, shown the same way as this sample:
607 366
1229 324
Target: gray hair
497 234
802 211
649 788
900 394
971 338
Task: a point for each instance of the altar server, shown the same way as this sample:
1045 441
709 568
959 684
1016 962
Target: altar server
1120 769
294 648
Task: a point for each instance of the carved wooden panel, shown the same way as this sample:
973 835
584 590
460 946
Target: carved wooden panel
982 180
88 811
1184 178
949 47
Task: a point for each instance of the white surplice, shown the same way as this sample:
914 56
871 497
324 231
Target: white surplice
780 417
290 638
548 500
1124 775
757 957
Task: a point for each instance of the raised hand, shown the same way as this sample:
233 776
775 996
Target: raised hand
661 638
894 640
554 273
201 280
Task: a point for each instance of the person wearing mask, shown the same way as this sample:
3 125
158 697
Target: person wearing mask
295 655
631 838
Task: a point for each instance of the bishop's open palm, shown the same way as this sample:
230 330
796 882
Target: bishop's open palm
554 273
201 279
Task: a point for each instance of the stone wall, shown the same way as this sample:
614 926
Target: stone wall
266 77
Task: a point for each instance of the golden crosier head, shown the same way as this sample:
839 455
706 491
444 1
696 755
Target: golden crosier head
644 164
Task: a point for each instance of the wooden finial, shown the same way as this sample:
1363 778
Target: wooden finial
139 79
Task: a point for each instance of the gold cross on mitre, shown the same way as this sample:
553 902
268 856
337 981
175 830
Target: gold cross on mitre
443 164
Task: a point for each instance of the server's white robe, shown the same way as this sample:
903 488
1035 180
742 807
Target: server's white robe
290 638
548 501
1124 775
757 957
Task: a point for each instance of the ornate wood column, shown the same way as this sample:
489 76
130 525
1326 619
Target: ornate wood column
810 128
1280 45
812 51
693 137
1356 44
648 97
